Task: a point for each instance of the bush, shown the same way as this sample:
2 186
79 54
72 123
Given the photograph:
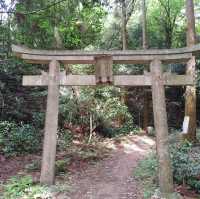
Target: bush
15 188
108 112
186 165
65 138
18 139
186 168
23 187
61 165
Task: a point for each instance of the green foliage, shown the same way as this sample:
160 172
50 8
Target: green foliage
146 174
105 106
18 139
24 187
38 119
186 164
112 113
79 23
65 138
165 18
19 103
147 167
16 187
186 168
61 165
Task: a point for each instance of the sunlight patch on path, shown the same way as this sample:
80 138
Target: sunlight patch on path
130 144
112 177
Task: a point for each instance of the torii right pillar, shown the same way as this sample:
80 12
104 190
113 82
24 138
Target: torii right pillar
161 127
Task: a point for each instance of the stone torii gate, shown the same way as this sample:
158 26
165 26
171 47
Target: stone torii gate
103 61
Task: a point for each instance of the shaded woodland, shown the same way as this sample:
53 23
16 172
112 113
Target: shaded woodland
90 113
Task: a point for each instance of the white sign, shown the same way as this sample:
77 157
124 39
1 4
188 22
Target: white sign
186 124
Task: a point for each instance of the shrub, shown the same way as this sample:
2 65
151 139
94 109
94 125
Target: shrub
109 113
23 187
186 164
18 139
65 138
186 168
38 119
61 165
15 188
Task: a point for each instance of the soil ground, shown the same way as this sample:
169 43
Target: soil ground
113 178
107 177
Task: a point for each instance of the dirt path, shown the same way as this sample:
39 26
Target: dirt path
112 177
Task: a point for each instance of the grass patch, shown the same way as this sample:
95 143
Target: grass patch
146 174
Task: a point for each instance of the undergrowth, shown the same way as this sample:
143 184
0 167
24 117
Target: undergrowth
24 188
18 139
186 168
186 165
146 174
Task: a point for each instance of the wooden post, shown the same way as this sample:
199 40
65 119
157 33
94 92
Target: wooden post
51 124
161 127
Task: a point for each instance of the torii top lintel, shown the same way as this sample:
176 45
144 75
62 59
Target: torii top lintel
119 57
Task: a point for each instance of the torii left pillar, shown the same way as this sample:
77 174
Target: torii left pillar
51 125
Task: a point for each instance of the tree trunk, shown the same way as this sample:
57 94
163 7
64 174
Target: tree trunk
123 90
145 46
191 34
144 25
124 30
161 127
190 95
57 39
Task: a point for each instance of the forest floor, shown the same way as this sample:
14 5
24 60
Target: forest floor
100 170
112 178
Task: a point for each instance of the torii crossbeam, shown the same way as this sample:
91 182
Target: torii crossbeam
103 61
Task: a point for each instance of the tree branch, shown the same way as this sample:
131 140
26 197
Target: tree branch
34 11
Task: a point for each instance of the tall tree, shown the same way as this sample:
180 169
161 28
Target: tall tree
124 23
164 15
78 22
190 95
171 10
145 46
144 25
